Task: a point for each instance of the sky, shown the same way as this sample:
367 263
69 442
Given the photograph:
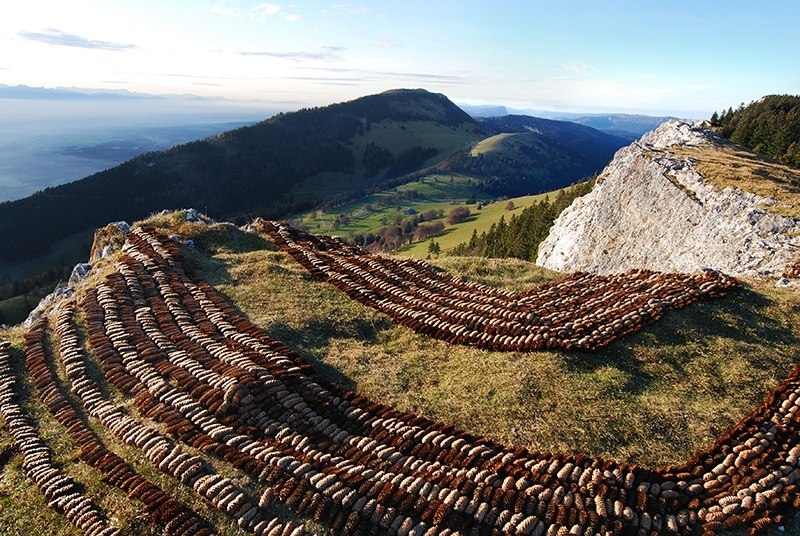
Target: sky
682 58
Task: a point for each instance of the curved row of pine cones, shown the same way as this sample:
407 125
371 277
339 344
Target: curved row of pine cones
61 491
208 385
581 312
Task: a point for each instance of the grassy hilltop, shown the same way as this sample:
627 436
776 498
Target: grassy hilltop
653 398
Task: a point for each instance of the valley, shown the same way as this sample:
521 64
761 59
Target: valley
290 166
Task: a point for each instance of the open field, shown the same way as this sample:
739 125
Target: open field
490 144
479 221
433 192
394 136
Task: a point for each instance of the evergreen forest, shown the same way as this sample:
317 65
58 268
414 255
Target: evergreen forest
521 235
768 126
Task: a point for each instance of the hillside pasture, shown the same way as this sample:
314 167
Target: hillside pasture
432 192
729 165
391 135
369 214
479 221
490 144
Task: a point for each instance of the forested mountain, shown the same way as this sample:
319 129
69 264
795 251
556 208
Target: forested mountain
254 170
530 155
769 126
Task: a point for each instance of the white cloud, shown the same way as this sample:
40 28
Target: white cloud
383 43
223 10
325 53
261 12
265 11
579 68
55 37
350 9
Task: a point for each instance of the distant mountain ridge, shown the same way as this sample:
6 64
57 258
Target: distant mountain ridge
629 126
74 93
302 160
241 173
530 155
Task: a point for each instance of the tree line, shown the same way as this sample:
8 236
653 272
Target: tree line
769 126
521 235
403 230
237 175
528 164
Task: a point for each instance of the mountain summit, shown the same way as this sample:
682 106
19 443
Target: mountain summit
290 162
681 199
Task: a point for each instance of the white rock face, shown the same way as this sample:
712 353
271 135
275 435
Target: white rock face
655 211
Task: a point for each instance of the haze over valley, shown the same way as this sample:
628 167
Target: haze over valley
50 137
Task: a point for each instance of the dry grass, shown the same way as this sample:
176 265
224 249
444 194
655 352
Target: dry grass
727 165
492 143
653 398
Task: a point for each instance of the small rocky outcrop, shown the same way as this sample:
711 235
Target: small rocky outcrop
651 208
108 239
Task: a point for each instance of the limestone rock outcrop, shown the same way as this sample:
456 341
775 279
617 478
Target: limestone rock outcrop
651 208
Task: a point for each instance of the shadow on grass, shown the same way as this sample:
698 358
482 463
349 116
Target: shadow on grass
743 317
311 340
623 358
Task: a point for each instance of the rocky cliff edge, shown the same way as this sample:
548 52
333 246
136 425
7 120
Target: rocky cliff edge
652 208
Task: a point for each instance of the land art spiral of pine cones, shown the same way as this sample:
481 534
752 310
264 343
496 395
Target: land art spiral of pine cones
582 312
306 457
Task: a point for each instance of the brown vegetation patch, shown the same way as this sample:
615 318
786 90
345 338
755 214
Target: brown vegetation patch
580 312
728 165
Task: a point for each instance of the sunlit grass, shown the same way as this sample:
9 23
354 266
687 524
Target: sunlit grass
728 165
653 398
697 371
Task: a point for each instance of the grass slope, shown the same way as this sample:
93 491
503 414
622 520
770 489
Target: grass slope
652 398
432 192
728 165
490 144
378 210
396 136
479 221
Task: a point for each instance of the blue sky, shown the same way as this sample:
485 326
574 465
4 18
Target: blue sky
685 58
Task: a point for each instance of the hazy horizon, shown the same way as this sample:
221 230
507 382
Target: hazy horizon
681 58
46 142
51 136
